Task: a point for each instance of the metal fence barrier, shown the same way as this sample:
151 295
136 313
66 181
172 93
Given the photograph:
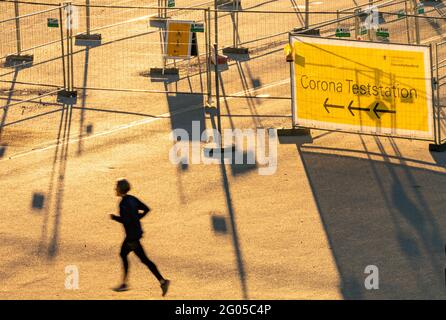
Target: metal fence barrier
32 55
440 92
130 44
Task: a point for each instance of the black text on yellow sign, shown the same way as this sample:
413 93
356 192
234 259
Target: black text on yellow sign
365 87
179 38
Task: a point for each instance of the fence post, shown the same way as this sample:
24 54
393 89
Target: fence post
162 8
68 27
437 91
69 24
235 14
434 111
87 13
217 75
67 96
307 14
233 24
293 112
357 24
417 22
17 26
237 24
61 24
407 21
207 19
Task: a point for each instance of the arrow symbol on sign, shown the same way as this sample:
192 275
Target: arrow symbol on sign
326 106
350 108
377 111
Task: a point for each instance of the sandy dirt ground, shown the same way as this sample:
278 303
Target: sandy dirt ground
332 208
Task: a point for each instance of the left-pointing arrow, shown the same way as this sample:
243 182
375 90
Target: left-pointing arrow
350 108
326 106
377 111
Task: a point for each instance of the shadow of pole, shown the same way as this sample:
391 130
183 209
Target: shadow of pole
235 238
180 186
84 101
249 97
400 205
377 211
8 101
319 209
60 188
56 186
423 223
43 235
222 86
299 14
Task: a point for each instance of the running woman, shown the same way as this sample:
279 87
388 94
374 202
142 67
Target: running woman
131 210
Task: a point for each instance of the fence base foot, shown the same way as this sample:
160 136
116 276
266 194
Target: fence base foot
310 32
231 50
294 136
88 40
67 97
437 147
158 18
2 150
164 71
158 22
229 3
19 60
211 110
220 67
214 149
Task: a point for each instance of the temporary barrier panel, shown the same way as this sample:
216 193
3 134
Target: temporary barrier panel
363 87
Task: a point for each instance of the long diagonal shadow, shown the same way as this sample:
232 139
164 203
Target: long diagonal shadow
43 235
56 187
420 214
60 188
6 107
84 101
31 118
251 103
235 238
228 111
376 211
298 12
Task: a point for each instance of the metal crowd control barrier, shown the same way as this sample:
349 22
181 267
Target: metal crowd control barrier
132 44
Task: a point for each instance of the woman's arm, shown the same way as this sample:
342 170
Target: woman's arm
116 218
142 207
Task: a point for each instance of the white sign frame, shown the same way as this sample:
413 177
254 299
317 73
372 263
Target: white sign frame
402 133
167 39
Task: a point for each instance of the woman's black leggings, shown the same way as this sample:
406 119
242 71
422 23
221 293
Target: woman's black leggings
135 246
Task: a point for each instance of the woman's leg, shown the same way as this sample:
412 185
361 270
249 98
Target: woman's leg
125 250
139 251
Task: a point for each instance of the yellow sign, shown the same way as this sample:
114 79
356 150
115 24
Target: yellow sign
362 87
179 39
288 50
